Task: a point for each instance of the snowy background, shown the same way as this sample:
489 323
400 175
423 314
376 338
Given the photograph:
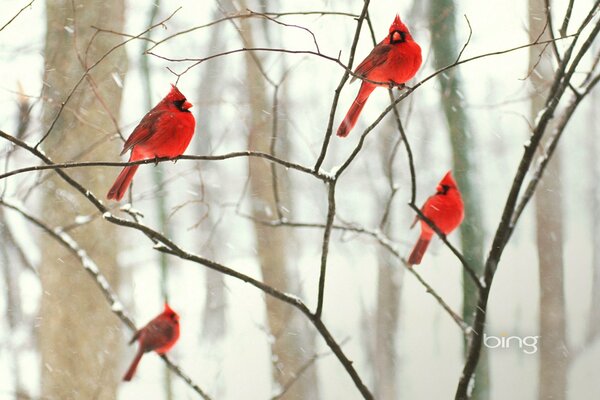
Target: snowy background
429 350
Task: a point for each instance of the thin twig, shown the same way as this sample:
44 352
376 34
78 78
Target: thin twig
549 151
338 90
100 280
248 14
288 25
16 15
386 243
227 156
566 19
325 248
88 70
503 232
453 249
166 245
467 41
549 24
298 374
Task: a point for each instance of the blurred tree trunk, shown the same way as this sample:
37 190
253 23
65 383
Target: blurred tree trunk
79 337
12 262
157 175
442 20
389 280
594 201
549 230
210 89
10 269
389 283
292 345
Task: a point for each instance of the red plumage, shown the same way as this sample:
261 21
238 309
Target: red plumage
394 61
445 209
166 131
158 335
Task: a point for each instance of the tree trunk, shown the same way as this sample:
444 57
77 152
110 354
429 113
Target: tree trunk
292 345
209 90
549 230
78 335
10 270
442 19
384 353
161 198
594 201
388 307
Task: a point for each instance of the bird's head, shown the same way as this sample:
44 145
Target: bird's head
398 32
446 183
176 99
170 313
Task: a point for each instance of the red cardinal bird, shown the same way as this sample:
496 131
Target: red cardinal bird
159 335
445 209
392 62
165 131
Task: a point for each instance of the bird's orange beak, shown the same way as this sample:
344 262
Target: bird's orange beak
395 36
187 105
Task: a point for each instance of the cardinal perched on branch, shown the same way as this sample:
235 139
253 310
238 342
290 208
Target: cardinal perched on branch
445 209
392 62
158 335
166 131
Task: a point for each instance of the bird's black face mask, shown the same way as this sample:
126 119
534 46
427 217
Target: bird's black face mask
397 37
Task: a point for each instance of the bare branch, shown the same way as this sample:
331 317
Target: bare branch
453 249
16 15
467 42
325 248
237 154
388 245
288 25
503 232
298 374
87 71
166 245
249 14
338 90
94 271
566 19
549 151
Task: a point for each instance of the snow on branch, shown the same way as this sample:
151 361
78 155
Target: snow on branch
94 271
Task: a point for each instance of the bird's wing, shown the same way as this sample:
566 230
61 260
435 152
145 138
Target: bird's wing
159 333
417 218
145 129
377 57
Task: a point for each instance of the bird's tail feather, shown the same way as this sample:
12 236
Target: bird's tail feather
118 189
352 116
418 251
131 371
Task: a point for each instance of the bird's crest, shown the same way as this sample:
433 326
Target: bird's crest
169 311
397 25
174 94
448 180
